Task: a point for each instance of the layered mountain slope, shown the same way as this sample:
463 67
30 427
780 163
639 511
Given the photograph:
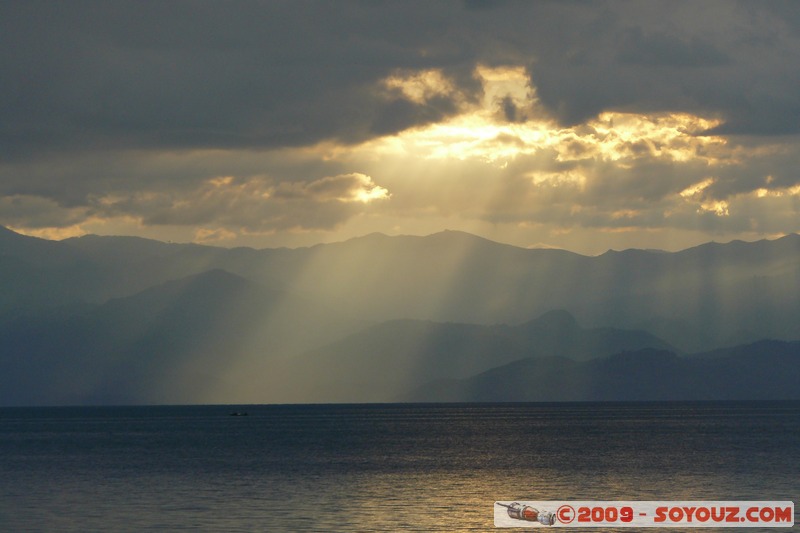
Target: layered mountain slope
767 370
383 361
122 319
701 298
208 337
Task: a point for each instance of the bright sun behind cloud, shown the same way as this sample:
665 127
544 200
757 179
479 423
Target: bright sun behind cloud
509 121
503 159
501 165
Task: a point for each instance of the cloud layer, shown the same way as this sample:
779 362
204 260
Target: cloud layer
209 120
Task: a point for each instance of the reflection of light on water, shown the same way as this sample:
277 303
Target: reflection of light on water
460 460
380 468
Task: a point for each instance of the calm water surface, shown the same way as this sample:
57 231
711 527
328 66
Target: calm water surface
378 467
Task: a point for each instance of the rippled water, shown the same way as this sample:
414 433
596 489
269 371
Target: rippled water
378 467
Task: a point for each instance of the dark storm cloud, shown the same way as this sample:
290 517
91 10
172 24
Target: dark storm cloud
129 109
731 60
261 74
186 74
662 50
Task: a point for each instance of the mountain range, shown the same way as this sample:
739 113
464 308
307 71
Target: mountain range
766 370
447 317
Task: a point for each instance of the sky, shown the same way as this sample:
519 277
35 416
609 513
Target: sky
580 125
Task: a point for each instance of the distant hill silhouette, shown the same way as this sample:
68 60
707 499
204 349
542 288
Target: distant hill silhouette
697 299
174 343
384 360
767 370
444 306
38 273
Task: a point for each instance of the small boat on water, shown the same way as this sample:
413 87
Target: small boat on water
239 413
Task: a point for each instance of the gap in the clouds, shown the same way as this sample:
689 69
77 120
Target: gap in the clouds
500 167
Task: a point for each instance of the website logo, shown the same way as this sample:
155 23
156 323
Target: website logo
682 514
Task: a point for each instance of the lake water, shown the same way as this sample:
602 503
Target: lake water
378 467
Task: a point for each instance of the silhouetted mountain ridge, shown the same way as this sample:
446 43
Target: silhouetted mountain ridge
767 370
444 306
704 297
381 361
173 343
